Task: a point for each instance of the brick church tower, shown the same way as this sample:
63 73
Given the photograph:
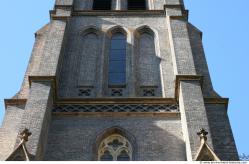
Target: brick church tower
117 80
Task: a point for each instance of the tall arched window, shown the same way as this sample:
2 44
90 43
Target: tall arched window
147 61
148 77
117 60
88 60
115 148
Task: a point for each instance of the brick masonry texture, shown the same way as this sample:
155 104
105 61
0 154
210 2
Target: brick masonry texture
52 49
223 141
69 74
74 47
174 2
10 130
182 48
35 60
193 114
74 138
37 116
64 2
200 61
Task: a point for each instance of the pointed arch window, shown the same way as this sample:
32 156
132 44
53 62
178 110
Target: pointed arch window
115 148
148 72
117 60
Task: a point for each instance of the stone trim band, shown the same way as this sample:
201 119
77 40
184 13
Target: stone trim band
117 108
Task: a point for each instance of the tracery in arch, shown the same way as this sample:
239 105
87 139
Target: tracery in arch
115 148
147 63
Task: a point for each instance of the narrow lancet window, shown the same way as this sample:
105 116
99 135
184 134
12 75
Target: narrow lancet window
148 73
117 60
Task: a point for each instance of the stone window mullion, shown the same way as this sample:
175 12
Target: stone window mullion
113 147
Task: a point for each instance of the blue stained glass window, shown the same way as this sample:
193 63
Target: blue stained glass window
117 66
117 60
117 44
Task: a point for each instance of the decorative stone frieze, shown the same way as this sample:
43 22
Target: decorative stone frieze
117 108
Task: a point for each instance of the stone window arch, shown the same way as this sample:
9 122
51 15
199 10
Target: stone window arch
147 61
115 148
117 50
89 50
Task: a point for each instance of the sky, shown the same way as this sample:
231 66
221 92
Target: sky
225 27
